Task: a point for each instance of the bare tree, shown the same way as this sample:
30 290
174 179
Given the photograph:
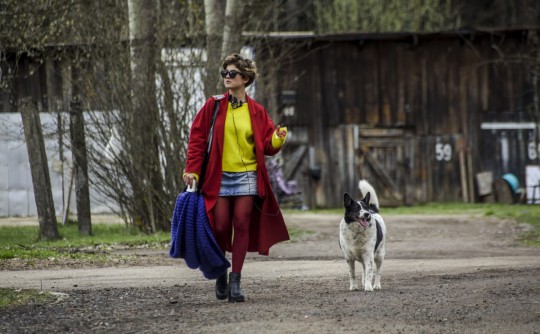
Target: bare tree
40 176
80 168
232 29
150 91
223 36
213 10
22 38
79 151
145 178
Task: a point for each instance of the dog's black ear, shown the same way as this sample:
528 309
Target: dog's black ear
347 200
367 198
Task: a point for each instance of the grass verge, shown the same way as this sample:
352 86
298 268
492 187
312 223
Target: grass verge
21 242
521 214
14 297
528 214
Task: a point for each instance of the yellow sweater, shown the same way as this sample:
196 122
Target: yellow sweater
238 146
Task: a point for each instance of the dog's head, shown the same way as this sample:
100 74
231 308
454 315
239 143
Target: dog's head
357 211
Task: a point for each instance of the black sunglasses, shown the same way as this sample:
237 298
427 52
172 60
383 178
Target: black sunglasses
232 73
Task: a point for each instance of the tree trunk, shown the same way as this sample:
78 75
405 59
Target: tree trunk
213 10
146 180
80 168
232 29
40 171
172 149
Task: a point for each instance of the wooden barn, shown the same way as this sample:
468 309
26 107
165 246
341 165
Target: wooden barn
421 116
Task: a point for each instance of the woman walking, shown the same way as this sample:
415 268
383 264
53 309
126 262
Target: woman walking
241 207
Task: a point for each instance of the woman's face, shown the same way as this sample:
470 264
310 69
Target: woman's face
233 83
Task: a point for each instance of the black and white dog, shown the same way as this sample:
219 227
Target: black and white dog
362 234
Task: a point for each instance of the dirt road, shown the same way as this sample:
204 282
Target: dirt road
458 274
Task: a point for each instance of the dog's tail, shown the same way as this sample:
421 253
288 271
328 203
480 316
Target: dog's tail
365 188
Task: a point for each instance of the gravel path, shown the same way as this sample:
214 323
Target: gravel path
458 274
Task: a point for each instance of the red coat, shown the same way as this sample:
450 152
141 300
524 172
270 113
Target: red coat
267 224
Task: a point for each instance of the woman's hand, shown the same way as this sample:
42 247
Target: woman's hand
188 179
281 132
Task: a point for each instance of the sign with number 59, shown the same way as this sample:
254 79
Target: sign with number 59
443 152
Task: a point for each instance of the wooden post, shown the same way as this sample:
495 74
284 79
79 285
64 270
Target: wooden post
80 168
39 168
470 176
463 171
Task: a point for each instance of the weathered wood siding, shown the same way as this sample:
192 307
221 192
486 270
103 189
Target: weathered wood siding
44 83
427 95
436 89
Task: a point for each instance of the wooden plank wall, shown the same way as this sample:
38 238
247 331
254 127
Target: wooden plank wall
508 150
436 89
40 81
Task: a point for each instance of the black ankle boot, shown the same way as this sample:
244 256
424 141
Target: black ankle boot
221 286
235 293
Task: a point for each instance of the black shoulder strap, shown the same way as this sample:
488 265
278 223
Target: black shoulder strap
211 133
208 145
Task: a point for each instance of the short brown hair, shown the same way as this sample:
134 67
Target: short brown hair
246 66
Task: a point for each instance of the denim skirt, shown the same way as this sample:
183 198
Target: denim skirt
238 184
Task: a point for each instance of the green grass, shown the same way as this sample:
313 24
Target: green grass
14 297
295 233
21 242
529 214
488 209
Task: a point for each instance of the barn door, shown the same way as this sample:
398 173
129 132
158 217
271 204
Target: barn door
381 162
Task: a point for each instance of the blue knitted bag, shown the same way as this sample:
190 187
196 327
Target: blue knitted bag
192 238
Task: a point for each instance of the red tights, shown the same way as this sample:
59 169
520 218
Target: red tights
235 212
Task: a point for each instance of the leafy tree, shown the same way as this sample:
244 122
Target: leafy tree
383 15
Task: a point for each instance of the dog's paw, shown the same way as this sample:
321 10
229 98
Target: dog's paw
353 287
368 287
376 287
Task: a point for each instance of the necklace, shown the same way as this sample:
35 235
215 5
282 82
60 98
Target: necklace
235 103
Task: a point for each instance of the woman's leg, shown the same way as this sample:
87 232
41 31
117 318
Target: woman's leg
223 221
222 230
243 206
